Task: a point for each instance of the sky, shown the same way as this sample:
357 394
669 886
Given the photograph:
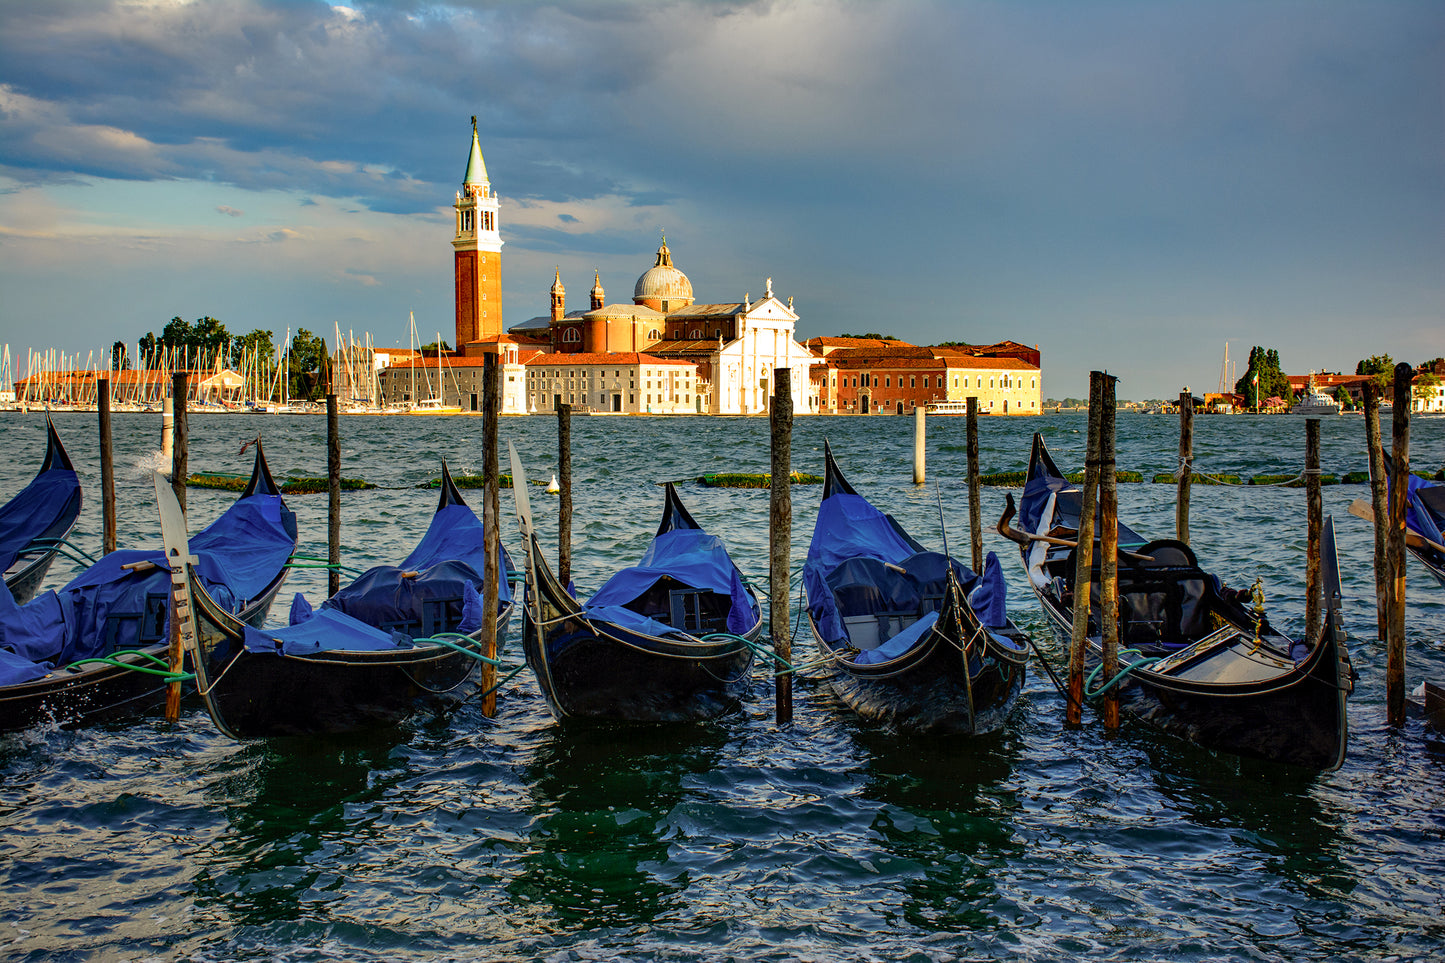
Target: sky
1128 185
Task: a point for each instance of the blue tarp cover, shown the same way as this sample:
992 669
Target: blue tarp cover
845 572
692 557
328 629
1420 514
384 607
101 610
30 513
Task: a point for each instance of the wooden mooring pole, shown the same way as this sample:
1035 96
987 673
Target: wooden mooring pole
1314 510
1395 547
107 469
491 528
780 527
975 504
333 493
1186 465
1109 551
920 445
179 457
564 493
1377 503
1084 556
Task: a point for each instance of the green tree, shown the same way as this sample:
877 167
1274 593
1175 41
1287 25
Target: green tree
871 334
119 356
435 346
1425 384
1380 367
150 350
1263 363
306 364
1343 397
257 343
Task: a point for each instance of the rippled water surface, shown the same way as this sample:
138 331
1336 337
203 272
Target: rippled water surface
511 838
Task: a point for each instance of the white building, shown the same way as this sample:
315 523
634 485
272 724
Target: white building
616 382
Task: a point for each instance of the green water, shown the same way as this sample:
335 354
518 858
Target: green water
511 838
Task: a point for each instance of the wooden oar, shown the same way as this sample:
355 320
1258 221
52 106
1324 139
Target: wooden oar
1362 509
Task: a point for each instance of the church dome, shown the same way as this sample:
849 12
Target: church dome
662 284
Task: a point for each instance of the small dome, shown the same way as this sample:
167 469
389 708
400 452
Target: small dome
597 291
663 282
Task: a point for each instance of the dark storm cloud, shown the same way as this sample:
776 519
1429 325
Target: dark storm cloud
1034 168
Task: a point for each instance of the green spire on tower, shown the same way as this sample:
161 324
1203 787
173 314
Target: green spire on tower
476 167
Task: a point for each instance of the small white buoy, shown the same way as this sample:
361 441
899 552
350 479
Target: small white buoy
552 486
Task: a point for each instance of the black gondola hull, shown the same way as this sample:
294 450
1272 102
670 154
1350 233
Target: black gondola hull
258 695
100 692
939 691
601 671
1296 719
958 679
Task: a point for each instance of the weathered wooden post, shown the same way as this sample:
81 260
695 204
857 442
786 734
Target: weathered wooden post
1109 551
107 468
179 450
780 527
179 457
975 505
1186 465
491 525
333 493
168 428
1383 582
564 493
1084 555
1314 510
920 438
1395 546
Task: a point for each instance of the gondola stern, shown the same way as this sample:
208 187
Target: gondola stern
450 494
674 513
55 454
262 482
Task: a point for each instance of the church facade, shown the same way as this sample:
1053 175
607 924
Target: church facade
733 348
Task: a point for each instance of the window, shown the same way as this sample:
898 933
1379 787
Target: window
888 381
570 335
696 334
990 382
654 334
913 382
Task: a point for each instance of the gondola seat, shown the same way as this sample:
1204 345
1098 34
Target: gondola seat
1163 596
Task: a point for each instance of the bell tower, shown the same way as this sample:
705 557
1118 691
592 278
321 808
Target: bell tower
559 298
478 247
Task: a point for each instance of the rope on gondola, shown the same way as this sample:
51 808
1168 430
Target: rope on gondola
61 547
114 660
1143 660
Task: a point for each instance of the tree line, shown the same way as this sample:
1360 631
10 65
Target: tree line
207 342
1263 379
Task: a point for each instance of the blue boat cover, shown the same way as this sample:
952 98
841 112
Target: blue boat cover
847 571
326 630
692 557
102 609
1426 510
435 589
32 512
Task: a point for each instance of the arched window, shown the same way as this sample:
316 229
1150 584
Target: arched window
654 335
696 334
571 335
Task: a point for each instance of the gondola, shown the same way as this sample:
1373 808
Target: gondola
36 521
912 638
397 640
1205 667
97 648
668 640
1424 520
